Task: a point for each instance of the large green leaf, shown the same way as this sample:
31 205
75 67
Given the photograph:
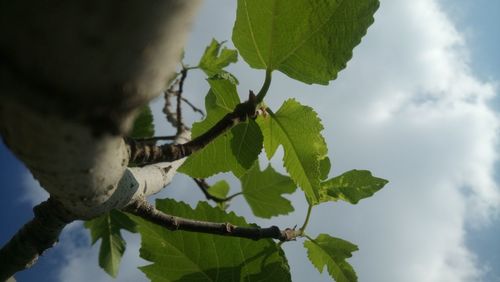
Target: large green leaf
263 191
237 149
107 228
214 60
143 125
191 256
298 129
308 40
332 253
351 186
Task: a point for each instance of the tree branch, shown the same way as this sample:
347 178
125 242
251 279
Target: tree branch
145 153
156 138
148 212
34 238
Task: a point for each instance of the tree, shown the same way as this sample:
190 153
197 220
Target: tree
82 128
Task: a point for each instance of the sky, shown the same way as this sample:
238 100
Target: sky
418 105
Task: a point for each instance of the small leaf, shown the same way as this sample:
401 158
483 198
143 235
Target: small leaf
219 189
332 253
107 228
298 129
227 76
192 256
263 191
143 125
351 186
308 40
213 61
235 150
324 167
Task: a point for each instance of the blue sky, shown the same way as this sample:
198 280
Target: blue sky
420 117
480 21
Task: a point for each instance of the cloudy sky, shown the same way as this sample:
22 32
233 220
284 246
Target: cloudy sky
418 105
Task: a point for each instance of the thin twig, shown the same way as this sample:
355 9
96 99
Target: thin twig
148 212
193 107
204 186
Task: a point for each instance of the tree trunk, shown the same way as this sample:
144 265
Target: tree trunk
72 77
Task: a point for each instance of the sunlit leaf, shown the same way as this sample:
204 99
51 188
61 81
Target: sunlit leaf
308 40
214 60
107 228
219 189
332 253
324 167
298 129
191 256
351 186
263 191
236 150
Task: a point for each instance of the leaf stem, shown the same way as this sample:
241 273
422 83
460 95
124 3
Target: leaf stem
263 91
191 68
306 221
310 239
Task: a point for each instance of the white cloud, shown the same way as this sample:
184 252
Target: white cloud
32 192
409 108
81 261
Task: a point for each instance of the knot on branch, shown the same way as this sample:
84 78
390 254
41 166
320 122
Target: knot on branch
247 109
290 234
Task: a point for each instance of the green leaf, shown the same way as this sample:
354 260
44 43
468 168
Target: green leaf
213 61
192 256
324 167
227 76
308 40
219 189
237 149
351 186
298 129
246 144
332 253
263 191
107 228
143 124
